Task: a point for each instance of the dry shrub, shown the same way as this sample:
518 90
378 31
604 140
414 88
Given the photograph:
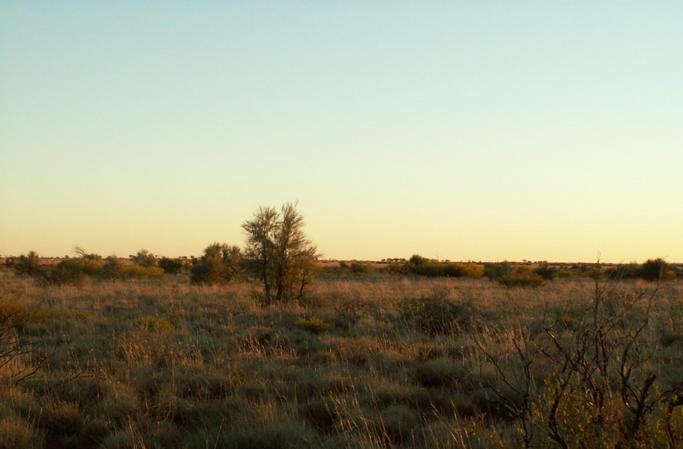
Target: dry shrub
436 314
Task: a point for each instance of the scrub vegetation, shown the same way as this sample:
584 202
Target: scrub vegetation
367 362
241 348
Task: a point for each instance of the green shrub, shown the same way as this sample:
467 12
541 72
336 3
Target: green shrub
74 271
627 271
471 270
497 270
144 258
360 268
656 270
114 268
314 326
521 277
171 266
433 268
546 272
219 264
27 265
139 271
156 324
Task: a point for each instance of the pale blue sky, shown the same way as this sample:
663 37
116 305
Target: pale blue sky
462 130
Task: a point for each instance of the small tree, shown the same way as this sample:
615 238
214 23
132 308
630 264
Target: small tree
656 270
170 265
219 264
144 258
28 265
279 252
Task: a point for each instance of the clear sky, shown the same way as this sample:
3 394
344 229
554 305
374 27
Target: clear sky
475 130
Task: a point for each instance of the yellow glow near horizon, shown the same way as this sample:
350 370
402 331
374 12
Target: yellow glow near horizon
460 132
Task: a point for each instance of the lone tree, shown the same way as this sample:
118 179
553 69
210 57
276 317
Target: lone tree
279 253
144 258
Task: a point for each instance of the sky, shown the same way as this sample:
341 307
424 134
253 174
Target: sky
461 130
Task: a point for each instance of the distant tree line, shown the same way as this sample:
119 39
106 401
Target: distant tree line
277 253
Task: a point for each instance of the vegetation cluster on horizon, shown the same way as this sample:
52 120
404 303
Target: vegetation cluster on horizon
222 263
251 353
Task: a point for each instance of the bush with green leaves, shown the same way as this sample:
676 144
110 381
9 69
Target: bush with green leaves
220 264
497 270
422 266
623 271
314 325
171 265
656 270
279 254
521 277
115 268
360 268
546 272
73 271
28 265
144 258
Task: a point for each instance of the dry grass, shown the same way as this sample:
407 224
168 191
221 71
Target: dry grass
162 363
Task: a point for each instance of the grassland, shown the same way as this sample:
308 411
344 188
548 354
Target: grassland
369 361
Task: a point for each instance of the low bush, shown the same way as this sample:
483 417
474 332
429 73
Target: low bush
426 267
27 265
144 258
546 272
171 266
627 271
521 277
656 270
496 271
155 324
114 268
314 326
360 268
73 271
219 264
435 314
